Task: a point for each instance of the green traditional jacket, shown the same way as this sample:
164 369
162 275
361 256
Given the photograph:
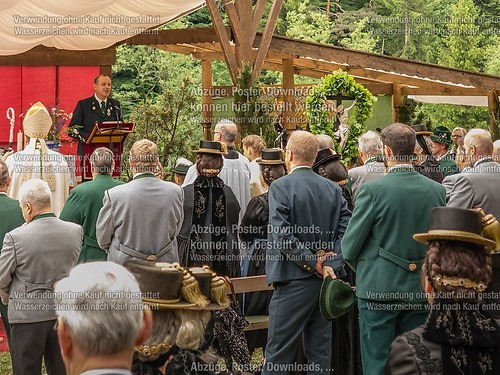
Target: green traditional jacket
11 215
447 165
82 207
378 244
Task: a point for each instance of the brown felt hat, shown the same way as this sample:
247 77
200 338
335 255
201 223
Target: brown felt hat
455 224
421 129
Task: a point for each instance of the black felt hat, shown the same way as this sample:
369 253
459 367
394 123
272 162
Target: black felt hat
211 147
455 224
271 156
421 129
324 156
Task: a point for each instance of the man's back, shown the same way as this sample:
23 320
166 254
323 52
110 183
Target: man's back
144 215
11 214
82 207
305 210
476 187
359 175
34 257
388 212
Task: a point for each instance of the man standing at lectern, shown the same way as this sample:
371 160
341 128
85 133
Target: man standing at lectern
98 108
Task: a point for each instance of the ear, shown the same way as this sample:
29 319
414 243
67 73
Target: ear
427 286
65 340
146 328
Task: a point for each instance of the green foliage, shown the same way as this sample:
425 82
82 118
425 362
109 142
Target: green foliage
169 123
463 45
360 39
339 83
451 116
252 108
307 22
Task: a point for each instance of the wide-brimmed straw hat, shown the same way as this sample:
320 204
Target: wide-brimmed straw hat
211 147
37 122
324 156
456 224
271 156
336 298
170 286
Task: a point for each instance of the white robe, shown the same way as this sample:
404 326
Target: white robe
31 158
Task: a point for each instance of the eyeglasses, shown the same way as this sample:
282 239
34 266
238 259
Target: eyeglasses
56 326
456 136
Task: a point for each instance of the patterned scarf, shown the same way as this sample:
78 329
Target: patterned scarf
469 337
208 226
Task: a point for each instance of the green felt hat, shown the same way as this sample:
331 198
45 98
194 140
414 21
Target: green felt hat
442 135
336 298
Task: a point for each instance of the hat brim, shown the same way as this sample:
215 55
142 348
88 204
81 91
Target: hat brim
440 140
424 133
329 307
452 235
269 162
209 151
179 171
323 161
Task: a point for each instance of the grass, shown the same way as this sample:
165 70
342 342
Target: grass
5 364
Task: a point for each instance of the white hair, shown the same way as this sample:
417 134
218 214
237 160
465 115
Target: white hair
480 139
228 130
370 143
35 191
101 305
325 141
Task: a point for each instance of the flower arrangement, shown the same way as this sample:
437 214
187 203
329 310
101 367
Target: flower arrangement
59 127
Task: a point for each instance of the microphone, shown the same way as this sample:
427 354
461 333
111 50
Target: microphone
117 113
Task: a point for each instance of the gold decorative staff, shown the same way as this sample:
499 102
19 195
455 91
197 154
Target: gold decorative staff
11 115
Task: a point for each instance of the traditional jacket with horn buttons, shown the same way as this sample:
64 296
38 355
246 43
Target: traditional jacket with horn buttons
378 243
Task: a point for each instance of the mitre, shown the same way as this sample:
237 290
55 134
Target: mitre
37 122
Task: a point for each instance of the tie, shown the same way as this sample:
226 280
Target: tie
103 108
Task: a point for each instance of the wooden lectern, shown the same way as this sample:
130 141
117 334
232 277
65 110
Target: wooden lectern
110 134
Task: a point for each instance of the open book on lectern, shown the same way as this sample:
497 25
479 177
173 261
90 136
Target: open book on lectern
109 132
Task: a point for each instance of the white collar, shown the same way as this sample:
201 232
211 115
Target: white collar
3 193
99 100
300 167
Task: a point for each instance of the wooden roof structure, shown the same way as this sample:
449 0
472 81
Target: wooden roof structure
382 75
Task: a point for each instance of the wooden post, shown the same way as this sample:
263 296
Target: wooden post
397 101
289 121
206 98
493 110
106 69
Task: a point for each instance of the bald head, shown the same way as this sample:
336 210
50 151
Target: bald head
325 141
304 148
477 144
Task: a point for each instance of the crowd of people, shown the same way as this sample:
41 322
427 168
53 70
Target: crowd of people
413 227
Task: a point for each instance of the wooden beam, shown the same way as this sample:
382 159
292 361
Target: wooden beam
206 99
257 16
175 36
229 56
46 56
267 37
449 91
234 20
493 106
397 102
380 62
289 121
106 70
245 17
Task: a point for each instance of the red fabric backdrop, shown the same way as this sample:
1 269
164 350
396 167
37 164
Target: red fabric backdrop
23 86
